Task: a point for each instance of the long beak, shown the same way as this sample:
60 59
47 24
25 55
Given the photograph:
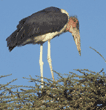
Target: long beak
76 36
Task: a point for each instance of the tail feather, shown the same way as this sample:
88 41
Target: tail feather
11 48
12 41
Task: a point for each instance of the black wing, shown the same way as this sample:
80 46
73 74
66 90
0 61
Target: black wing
12 39
48 20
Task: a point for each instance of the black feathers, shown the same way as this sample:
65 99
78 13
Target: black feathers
45 21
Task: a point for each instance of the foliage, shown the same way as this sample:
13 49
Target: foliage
75 92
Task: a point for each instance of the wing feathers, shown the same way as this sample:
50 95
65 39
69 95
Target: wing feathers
45 21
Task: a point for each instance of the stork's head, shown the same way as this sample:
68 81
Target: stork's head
73 27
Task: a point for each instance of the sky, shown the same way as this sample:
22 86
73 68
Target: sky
24 61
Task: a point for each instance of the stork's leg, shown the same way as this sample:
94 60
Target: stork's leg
49 60
41 64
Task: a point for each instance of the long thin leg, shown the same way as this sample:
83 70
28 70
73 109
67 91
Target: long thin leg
49 59
41 64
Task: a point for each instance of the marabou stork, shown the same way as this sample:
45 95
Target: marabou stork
43 26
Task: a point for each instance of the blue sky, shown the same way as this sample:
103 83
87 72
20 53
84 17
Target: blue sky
24 61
